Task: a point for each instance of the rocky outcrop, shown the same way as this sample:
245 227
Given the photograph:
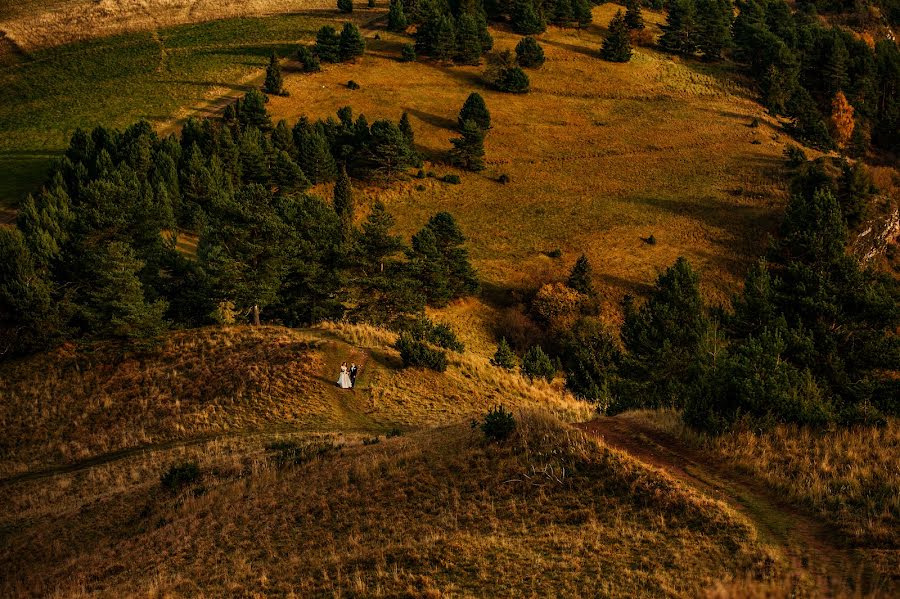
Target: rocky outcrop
877 233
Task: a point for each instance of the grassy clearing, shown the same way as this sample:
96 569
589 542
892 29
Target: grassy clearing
78 402
600 155
437 513
850 476
160 76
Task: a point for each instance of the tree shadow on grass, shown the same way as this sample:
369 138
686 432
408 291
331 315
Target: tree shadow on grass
584 51
432 119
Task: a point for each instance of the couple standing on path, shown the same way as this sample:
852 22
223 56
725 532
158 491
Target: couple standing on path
348 376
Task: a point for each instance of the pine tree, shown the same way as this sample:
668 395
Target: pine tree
526 20
274 83
634 18
253 111
253 159
282 139
314 155
444 45
468 40
504 356
287 175
389 152
512 80
537 365
377 243
855 188
529 53
408 53
344 205
439 261
328 45
474 109
396 18
468 150
308 60
581 277
407 130
115 304
345 6
617 45
582 12
352 43
714 28
835 67
680 30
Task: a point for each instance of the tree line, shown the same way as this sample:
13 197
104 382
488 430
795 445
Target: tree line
811 338
95 253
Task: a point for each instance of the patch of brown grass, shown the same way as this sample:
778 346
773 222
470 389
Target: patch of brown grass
77 402
851 476
439 513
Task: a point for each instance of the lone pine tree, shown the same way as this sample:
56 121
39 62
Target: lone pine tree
529 53
274 83
396 17
474 109
504 356
468 150
581 277
351 42
617 45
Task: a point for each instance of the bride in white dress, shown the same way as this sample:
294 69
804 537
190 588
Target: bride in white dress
344 380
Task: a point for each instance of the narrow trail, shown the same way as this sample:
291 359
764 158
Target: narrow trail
810 546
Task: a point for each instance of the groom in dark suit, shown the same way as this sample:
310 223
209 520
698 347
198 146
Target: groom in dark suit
353 371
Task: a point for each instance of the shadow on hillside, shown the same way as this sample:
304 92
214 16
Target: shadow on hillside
218 84
583 50
636 288
432 119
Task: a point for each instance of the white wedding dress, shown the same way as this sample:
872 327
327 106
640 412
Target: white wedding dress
344 380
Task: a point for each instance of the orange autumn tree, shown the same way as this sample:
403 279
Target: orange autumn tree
841 119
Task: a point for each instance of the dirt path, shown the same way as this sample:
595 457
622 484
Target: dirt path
811 546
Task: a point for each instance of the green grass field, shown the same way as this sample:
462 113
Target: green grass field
116 81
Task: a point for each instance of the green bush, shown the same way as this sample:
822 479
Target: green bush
504 356
408 53
512 80
440 334
452 179
179 476
345 5
537 365
309 61
529 53
418 353
498 424
352 84
291 453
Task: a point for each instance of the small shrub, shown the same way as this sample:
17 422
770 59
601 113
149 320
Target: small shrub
394 432
795 156
418 353
420 188
225 313
179 476
651 240
537 365
345 5
371 4
420 174
452 179
291 453
512 80
503 179
352 84
372 441
439 334
754 123
554 253
529 53
309 62
408 53
504 356
643 38
498 424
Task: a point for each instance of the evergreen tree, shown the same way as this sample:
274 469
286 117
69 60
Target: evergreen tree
274 83
468 150
512 80
504 356
396 17
581 277
526 19
345 6
389 152
287 175
680 30
663 336
634 18
253 111
282 138
253 157
114 303
582 12
439 261
591 358
444 41
834 69
314 155
407 130
408 53
617 45
468 40
474 109
855 189
714 28
377 243
328 45
308 60
344 205
351 42
529 53
537 365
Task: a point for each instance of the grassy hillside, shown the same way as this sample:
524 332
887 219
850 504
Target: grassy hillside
160 76
599 155
75 403
437 513
850 476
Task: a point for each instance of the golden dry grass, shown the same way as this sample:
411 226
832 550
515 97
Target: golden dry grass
32 24
851 476
78 402
440 513
600 155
